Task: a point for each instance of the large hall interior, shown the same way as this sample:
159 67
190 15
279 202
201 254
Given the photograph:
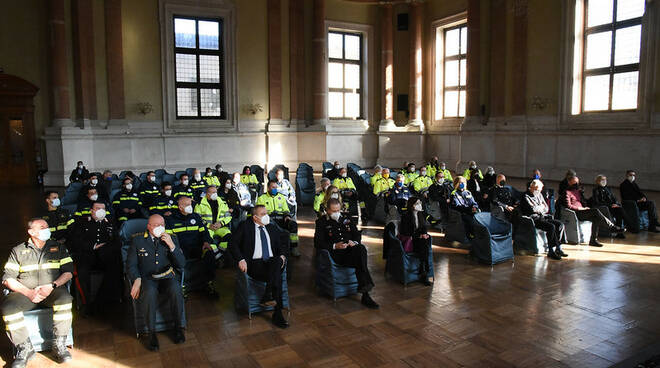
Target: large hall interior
330 183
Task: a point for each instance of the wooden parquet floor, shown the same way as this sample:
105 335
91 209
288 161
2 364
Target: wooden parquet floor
594 309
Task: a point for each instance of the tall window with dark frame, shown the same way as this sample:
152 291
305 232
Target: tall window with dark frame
199 65
454 71
345 75
610 68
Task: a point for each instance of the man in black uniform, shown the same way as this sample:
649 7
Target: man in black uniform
165 204
154 262
502 204
195 242
36 273
126 203
183 189
94 247
339 235
149 190
85 204
79 174
93 183
198 185
59 220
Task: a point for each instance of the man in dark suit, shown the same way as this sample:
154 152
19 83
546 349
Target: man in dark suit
630 192
256 247
154 262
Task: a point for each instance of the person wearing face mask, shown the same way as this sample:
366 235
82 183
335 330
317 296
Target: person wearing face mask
211 179
95 248
285 188
440 191
93 183
422 183
154 265
602 197
319 198
473 171
278 210
348 193
35 274
462 201
183 188
195 241
249 179
229 195
334 172
535 206
198 185
106 182
79 173
378 170
243 191
149 191
575 201
217 216
414 228
399 194
165 204
490 179
332 192
339 235
59 219
126 203
630 192
432 166
502 203
410 175
384 183
256 246
221 174
85 205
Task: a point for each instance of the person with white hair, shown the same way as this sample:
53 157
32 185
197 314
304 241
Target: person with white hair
535 206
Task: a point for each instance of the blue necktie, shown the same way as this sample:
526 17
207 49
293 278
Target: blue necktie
264 244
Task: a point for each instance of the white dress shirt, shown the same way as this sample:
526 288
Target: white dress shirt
257 242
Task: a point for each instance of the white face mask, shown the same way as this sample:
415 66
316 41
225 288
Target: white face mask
335 215
337 166
443 167
198 177
152 179
128 187
473 167
334 195
94 197
44 234
188 209
441 180
95 181
422 173
603 183
80 166
158 231
184 182
265 219
236 180
418 207
168 193
536 192
280 177
100 214
55 202
343 175
228 185
214 196
631 178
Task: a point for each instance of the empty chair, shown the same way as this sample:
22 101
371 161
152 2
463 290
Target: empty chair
327 166
492 242
527 239
639 219
160 173
402 266
305 187
258 171
455 228
576 231
115 184
249 293
333 280
169 178
74 187
354 168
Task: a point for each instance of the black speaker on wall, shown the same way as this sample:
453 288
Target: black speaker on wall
402 22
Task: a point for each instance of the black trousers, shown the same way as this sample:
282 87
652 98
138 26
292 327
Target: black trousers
198 272
468 222
619 216
653 214
291 226
107 260
355 257
554 231
14 304
597 220
421 250
270 272
148 300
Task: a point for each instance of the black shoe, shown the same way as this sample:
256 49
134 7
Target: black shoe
620 236
211 291
553 255
62 354
595 243
561 253
368 302
24 352
179 336
617 229
278 319
425 281
653 230
153 342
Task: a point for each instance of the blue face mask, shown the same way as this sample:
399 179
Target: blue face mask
273 191
399 183
461 186
537 176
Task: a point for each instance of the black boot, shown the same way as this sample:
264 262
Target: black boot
179 336
560 252
278 319
368 302
24 352
152 344
595 243
61 352
211 290
423 276
553 255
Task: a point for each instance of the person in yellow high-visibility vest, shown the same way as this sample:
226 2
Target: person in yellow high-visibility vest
422 183
349 193
320 195
215 213
384 183
278 210
410 175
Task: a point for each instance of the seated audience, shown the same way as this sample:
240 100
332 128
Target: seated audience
377 174
221 174
384 183
216 215
229 195
348 193
93 183
256 247
537 208
340 236
249 179
210 179
126 204
440 191
333 173
489 179
149 191
154 264
630 192
198 185
243 192
410 174
85 205
473 171
422 183
285 188
414 229
320 195
29 286
463 202
59 220
79 174
330 193
502 203
165 204
183 188
575 201
277 206
433 166
602 196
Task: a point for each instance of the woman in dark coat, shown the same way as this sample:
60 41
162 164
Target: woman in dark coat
414 227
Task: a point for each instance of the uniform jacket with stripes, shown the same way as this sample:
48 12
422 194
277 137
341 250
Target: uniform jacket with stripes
32 266
191 231
60 223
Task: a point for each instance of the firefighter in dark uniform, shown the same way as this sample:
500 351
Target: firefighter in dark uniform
195 242
126 203
440 191
85 203
94 247
339 235
198 185
184 188
94 183
149 190
36 273
59 220
154 262
165 204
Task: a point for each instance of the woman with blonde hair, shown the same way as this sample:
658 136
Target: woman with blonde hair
330 193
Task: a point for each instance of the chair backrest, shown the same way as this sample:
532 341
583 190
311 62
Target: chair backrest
190 171
160 173
327 166
272 174
116 183
258 171
169 178
304 170
515 193
113 193
128 230
70 207
70 198
354 167
143 177
74 187
366 178
494 225
178 174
